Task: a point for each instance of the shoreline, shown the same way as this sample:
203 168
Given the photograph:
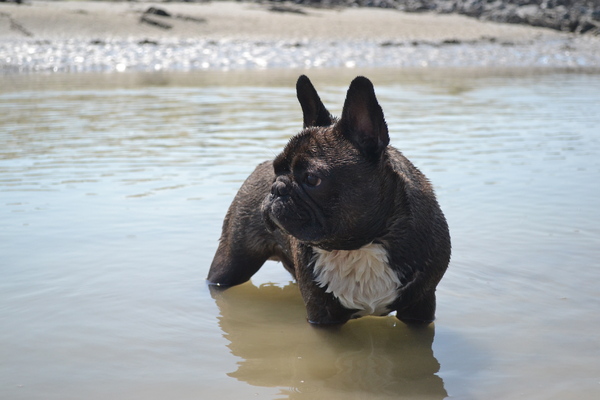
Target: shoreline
95 36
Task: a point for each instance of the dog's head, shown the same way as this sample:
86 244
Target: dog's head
332 189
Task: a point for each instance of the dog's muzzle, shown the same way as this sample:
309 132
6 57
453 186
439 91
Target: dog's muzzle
281 187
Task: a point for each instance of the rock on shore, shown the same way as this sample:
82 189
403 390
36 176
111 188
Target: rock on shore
579 16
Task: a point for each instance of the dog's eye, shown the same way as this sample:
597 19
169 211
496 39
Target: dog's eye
312 180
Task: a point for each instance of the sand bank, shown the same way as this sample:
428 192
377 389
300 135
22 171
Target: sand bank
49 20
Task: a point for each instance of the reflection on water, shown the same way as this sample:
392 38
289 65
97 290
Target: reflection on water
113 190
266 327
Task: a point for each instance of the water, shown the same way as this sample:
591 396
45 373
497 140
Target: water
78 55
113 189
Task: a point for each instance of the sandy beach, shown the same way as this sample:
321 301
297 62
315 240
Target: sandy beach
50 20
73 35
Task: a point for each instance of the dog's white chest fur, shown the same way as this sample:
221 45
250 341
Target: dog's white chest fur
360 279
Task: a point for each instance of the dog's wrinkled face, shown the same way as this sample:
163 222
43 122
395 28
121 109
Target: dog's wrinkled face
329 191
319 183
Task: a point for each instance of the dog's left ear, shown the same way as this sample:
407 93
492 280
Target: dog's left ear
362 120
315 113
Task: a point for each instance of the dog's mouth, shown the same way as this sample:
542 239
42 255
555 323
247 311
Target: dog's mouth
284 214
270 222
272 216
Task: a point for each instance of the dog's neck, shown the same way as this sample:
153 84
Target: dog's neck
360 279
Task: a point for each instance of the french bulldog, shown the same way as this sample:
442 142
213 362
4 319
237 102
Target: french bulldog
354 221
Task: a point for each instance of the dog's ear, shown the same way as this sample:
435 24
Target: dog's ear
362 120
315 113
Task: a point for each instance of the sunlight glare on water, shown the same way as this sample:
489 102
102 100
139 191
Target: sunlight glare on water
112 194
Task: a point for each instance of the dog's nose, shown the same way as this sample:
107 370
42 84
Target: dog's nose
279 188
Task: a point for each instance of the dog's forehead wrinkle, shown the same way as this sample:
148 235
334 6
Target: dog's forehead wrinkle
283 163
308 150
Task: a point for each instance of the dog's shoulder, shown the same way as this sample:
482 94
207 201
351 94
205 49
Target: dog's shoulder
411 176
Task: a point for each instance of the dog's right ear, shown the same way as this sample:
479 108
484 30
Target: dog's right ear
315 113
362 120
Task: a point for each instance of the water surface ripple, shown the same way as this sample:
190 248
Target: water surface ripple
112 193
79 55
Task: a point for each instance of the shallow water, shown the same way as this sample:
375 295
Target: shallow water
113 189
78 55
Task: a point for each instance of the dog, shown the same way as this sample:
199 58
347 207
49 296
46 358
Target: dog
354 221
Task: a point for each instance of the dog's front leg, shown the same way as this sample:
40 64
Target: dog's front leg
322 308
421 311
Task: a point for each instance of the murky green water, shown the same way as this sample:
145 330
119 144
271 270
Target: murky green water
113 189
